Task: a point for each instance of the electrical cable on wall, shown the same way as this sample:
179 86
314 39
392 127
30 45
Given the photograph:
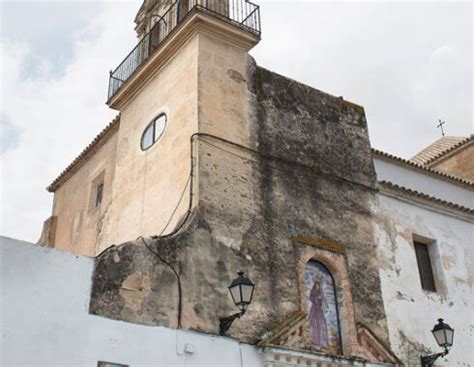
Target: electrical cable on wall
178 277
176 207
270 158
188 212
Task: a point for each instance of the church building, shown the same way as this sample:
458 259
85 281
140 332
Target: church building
213 166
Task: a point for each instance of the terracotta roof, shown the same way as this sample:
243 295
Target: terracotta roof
406 190
446 153
452 178
439 148
84 156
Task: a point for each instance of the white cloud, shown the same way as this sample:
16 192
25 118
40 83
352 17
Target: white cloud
55 116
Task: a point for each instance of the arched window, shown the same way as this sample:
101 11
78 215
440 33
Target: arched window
321 301
153 131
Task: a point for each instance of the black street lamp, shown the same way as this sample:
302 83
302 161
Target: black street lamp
241 290
444 335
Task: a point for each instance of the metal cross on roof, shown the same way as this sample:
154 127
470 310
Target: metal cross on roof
441 123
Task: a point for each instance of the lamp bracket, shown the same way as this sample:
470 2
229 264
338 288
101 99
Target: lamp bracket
428 361
226 322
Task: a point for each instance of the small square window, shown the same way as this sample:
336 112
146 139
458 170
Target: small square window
424 266
96 193
99 193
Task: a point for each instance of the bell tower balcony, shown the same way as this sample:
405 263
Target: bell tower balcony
157 31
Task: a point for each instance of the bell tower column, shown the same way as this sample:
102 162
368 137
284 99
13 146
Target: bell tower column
185 76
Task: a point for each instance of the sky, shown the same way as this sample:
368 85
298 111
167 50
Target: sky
408 63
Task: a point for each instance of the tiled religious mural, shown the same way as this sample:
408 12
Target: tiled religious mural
322 308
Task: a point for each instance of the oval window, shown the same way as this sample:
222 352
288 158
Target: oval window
153 131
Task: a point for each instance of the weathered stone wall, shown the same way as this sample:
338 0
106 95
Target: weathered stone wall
309 173
322 183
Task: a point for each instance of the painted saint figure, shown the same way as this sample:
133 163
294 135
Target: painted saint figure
317 318
321 306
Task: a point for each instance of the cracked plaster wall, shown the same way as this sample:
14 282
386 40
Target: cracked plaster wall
411 311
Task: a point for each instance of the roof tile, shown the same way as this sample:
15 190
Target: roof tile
80 160
439 148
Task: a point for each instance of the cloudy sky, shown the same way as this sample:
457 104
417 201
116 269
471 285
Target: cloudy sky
408 63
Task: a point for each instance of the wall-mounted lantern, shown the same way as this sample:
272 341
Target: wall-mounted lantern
444 335
241 290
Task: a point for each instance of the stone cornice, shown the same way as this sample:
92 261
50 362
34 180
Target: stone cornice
413 196
276 356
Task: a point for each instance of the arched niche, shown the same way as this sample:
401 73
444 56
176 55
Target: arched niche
321 301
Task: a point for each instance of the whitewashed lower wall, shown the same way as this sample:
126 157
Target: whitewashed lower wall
411 311
45 320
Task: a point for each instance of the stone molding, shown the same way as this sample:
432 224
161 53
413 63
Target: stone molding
415 197
322 244
375 346
278 357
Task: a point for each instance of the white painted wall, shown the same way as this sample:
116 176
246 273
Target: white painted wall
411 311
45 321
428 184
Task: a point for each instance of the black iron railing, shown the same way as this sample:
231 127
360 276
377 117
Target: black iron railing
242 13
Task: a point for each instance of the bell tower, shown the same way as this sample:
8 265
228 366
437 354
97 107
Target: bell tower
185 76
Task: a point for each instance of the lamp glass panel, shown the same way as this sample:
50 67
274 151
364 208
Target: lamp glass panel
449 337
440 337
247 293
235 293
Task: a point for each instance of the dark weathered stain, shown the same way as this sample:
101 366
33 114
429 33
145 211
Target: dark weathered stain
312 175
